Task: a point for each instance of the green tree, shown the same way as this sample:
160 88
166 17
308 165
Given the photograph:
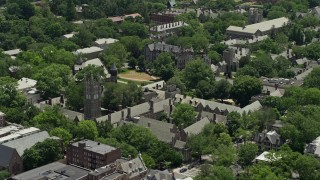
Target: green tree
164 66
205 89
124 95
246 154
175 80
222 89
149 161
248 71
115 53
51 79
244 87
62 133
196 71
84 38
4 174
313 79
74 95
184 115
87 129
70 10
42 153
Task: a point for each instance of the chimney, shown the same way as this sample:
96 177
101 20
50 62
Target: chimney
109 117
268 92
50 101
61 99
149 124
120 107
151 105
122 115
276 86
214 116
129 113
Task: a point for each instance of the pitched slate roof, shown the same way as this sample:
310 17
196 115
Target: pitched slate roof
262 26
167 48
197 127
255 106
134 167
5 155
27 142
162 130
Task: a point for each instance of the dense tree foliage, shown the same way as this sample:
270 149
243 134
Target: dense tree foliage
42 153
184 115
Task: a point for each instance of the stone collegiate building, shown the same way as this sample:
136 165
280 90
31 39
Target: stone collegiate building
181 55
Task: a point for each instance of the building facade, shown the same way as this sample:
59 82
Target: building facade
2 119
92 155
255 15
10 160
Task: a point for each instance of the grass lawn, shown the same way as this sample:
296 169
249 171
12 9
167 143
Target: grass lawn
136 76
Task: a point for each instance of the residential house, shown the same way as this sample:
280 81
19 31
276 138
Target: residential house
55 170
10 160
165 175
28 88
316 11
313 147
258 29
90 154
268 140
171 4
135 169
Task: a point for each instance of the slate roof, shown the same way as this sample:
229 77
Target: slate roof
134 167
272 136
255 106
27 142
162 130
26 83
197 127
167 48
139 109
5 155
88 50
106 41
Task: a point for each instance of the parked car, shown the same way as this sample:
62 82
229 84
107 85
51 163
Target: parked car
183 170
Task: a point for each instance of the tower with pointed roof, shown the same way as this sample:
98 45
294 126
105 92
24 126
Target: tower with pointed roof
113 73
92 99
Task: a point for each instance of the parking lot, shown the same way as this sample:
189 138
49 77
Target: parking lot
189 173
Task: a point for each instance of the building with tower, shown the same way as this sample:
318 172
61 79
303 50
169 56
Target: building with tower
92 100
255 15
113 73
231 63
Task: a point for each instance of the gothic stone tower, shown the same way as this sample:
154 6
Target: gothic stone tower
92 99
229 58
114 73
255 15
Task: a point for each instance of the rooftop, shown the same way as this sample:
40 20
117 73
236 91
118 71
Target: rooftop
95 146
26 83
26 142
262 26
106 41
12 52
88 50
19 133
56 170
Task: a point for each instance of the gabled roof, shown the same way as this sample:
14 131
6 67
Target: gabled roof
255 106
197 127
134 167
161 129
262 26
27 142
5 155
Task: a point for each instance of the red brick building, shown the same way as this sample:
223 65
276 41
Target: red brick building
92 155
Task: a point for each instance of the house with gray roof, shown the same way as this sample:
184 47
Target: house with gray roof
134 168
89 53
313 147
10 160
268 140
